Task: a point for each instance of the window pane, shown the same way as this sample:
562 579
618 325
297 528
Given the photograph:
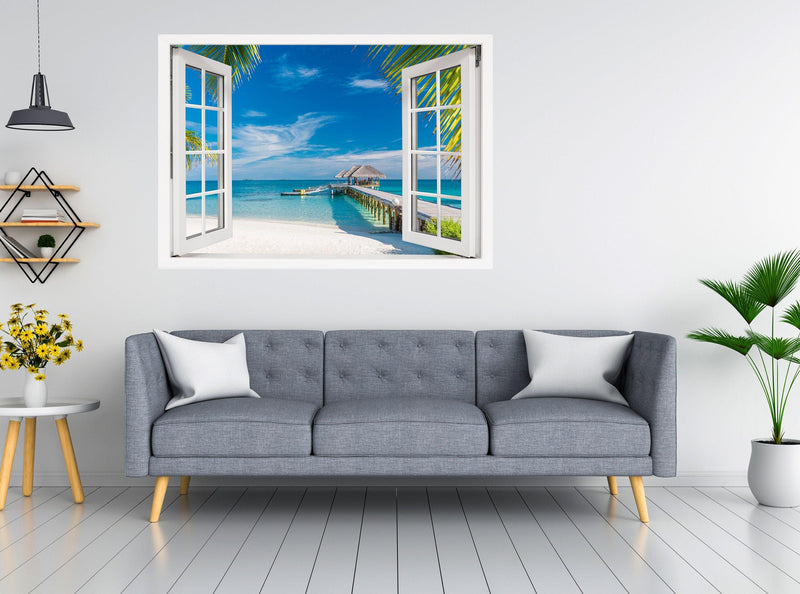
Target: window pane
451 130
450 226
194 90
213 89
194 218
214 162
423 130
423 173
425 220
425 91
213 218
450 171
212 130
450 85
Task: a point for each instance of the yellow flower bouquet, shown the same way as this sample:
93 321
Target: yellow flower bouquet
33 342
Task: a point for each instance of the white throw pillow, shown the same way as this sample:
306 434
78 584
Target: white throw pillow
575 367
204 370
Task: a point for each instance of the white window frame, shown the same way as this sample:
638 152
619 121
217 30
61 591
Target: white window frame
181 243
167 261
470 145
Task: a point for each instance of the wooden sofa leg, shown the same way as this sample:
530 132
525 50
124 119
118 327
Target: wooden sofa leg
158 497
185 484
638 494
612 485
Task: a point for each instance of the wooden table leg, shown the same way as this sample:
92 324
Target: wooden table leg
69 459
27 463
8 459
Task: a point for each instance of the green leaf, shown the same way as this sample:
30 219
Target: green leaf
740 344
737 296
792 315
773 278
776 347
243 60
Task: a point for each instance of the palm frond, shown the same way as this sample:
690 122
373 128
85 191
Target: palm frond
773 278
737 296
792 315
776 347
740 344
243 60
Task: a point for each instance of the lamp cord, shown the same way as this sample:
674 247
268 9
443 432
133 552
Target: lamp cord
38 40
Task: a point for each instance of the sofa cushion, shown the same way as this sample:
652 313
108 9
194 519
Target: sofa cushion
285 364
235 427
565 427
400 427
362 364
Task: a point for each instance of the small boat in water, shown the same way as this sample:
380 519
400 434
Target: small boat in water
307 191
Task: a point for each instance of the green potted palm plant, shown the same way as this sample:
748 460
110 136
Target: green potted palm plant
774 470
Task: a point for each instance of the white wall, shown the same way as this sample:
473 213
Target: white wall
638 146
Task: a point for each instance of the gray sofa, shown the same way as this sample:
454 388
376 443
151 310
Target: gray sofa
401 404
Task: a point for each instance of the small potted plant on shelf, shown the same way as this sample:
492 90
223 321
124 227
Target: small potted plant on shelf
774 470
32 343
46 245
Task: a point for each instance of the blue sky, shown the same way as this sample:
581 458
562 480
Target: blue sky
309 111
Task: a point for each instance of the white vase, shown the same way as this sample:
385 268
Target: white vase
35 392
46 252
13 178
774 472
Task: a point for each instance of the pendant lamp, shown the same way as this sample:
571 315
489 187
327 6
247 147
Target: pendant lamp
39 116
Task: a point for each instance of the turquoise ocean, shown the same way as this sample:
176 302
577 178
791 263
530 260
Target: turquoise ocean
262 200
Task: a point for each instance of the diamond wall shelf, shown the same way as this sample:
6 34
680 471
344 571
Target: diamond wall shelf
40 269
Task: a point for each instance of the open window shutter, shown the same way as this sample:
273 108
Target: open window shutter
201 152
441 144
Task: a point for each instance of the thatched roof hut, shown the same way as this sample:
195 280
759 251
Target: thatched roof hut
340 174
361 172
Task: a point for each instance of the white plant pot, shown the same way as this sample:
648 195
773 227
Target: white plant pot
35 393
774 473
13 178
46 252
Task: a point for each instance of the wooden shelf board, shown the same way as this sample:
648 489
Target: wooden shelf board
41 188
21 224
59 260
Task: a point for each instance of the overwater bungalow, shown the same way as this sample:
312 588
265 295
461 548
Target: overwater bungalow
362 175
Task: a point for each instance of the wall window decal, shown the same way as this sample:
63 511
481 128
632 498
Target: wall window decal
326 151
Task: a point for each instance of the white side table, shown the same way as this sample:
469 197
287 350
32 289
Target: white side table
59 409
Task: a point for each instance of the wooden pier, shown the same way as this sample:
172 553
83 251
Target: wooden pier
389 207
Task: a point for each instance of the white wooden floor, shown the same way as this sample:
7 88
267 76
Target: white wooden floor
409 540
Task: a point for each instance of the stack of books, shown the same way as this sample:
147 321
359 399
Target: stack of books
15 248
43 215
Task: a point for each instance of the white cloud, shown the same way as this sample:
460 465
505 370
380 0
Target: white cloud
254 113
324 166
256 143
294 75
367 84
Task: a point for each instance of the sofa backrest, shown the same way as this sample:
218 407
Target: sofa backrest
399 364
282 363
502 368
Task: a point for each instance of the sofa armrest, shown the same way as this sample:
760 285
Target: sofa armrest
146 395
651 390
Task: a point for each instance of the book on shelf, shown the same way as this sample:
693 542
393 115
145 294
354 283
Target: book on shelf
16 248
43 215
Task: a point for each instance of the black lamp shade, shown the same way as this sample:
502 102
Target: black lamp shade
39 116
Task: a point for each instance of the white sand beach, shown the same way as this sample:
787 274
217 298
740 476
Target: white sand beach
270 238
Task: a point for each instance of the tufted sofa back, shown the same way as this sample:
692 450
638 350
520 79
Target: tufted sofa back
283 364
503 361
399 364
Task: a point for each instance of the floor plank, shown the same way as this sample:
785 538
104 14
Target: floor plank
219 550
376 567
582 561
75 572
31 513
42 564
252 563
417 558
787 515
131 559
291 570
631 570
501 564
460 567
166 566
678 573
545 568
759 570
336 561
